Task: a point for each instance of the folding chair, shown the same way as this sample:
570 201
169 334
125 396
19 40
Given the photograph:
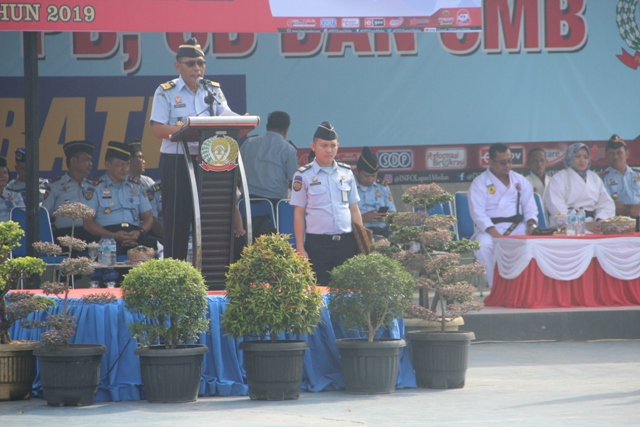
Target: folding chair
285 220
462 214
542 214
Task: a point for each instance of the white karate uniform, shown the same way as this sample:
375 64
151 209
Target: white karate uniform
537 184
567 188
490 198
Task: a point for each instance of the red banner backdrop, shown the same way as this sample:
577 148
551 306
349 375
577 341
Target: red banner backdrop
228 16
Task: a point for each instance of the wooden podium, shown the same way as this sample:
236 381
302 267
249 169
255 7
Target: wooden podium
214 192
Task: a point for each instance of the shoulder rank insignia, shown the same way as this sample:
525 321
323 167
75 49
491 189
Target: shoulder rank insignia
57 178
94 181
344 165
168 85
214 84
134 180
156 187
304 168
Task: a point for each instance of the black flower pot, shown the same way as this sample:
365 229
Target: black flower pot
171 375
70 375
17 370
274 370
440 358
369 367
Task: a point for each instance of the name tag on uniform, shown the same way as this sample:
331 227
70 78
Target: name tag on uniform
345 196
315 183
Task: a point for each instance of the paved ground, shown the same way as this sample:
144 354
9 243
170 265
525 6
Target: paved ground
508 384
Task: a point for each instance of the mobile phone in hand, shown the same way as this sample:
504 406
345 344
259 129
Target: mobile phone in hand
383 209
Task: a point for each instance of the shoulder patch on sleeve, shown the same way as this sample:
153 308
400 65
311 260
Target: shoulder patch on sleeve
168 85
344 165
304 168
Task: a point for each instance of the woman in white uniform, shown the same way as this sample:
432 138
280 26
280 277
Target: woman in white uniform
577 186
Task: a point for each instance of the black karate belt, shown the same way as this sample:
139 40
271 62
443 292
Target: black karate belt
514 218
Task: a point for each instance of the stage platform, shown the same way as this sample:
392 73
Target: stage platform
553 324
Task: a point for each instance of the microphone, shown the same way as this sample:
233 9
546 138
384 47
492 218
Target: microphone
202 81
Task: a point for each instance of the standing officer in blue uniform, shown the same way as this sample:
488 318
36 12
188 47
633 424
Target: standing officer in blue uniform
70 188
325 202
19 183
373 196
622 182
122 207
8 199
173 102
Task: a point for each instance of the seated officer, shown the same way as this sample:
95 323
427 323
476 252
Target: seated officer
8 199
622 182
137 167
373 196
122 207
70 188
19 183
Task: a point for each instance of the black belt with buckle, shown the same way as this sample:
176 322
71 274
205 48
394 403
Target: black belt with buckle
333 237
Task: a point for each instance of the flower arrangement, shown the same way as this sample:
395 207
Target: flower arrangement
436 262
61 327
16 306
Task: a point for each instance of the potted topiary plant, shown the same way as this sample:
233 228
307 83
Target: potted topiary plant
70 373
366 293
17 362
440 356
271 290
170 297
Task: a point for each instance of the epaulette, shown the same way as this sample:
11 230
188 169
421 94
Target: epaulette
635 170
604 172
344 165
214 84
156 187
57 178
94 181
135 180
292 144
168 85
304 168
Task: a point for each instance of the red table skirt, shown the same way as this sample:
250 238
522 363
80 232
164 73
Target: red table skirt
532 289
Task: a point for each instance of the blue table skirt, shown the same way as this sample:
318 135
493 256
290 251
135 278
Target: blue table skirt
223 368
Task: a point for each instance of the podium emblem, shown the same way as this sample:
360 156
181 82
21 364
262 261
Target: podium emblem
219 154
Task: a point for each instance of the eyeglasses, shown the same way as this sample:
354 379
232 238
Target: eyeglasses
201 63
503 162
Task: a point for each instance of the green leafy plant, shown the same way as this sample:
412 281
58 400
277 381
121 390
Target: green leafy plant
271 290
16 305
172 295
436 263
369 291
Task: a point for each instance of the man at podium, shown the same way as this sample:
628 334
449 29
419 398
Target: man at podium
174 101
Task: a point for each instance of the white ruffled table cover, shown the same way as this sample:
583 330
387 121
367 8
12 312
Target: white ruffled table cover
567 258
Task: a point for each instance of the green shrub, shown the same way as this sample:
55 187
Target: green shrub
369 291
271 289
172 295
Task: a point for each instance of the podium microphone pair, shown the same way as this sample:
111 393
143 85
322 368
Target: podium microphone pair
211 97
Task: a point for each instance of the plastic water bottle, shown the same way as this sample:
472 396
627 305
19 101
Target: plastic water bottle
104 253
582 221
572 220
113 250
190 249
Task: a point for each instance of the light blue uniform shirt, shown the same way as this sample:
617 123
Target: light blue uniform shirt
61 190
269 162
117 203
21 187
375 196
326 196
9 200
623 188
173 101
